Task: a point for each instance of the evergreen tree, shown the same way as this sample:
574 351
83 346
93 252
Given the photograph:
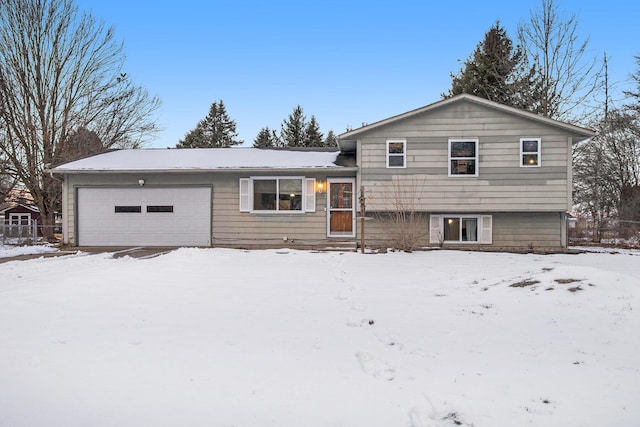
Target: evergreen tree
217 130
331 140
313 136
293 133
82 143
497 71
266 138
635 95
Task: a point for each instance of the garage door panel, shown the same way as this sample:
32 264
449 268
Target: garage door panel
189 223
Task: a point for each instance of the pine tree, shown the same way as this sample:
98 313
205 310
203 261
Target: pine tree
635 95
313 136
293 132
217 130
266 138
331 140
497 71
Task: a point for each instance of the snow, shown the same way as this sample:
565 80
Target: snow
201 159
225 337
13 251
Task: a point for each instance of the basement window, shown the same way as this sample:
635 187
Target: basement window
128 209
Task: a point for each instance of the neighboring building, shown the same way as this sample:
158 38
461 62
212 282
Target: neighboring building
19 214
20 221
473 172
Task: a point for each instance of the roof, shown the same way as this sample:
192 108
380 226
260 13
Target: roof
200 159
17 205
579 132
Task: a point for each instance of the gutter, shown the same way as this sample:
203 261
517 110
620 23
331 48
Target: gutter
138 171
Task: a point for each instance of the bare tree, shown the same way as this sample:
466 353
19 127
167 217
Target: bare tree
61 71
552 45
607 170
406 228
7 179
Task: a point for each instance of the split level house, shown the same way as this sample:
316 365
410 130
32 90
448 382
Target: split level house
470 172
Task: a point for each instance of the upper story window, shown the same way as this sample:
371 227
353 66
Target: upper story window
463 157
529 152
396 153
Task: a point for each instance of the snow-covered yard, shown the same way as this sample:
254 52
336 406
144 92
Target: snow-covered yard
216 337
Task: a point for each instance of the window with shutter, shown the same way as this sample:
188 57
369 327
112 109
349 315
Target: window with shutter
266 194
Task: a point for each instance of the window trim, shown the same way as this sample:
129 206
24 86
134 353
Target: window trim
537 153
484 231
476 158
18 217
308 195
403 155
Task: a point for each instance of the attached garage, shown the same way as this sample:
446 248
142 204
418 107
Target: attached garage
200 197
144 216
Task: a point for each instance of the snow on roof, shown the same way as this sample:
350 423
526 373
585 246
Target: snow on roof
8 207
201 159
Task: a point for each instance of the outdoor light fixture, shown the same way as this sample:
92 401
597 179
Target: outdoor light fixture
141 182
320 187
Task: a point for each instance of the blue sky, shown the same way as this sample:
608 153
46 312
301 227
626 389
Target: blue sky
345 62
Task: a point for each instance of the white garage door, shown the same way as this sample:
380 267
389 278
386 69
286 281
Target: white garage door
144 216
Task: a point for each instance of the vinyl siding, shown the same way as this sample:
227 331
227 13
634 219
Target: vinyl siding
515 230
229 226
502 185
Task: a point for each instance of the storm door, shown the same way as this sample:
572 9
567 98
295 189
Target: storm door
341 207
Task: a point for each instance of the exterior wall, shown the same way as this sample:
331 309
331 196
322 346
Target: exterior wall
502 185
233 227
19 209
229 226
510 230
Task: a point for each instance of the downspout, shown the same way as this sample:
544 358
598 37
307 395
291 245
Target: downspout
65 239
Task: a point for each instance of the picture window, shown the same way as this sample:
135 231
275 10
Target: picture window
279 194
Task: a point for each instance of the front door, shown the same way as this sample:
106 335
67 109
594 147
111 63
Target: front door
341 207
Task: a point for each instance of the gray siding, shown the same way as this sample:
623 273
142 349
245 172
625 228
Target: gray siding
229 226
514 230
502 185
